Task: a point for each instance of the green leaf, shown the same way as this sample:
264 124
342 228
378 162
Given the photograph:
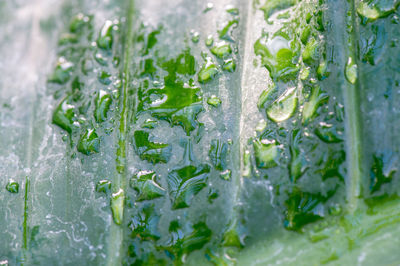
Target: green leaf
125 140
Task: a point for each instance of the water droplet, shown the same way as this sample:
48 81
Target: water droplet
89 142
278 55
186 182
265 96
232 10
322 71
68 38
226 175
261 126
229 65
298 165
146 185
231 237
373 11
105 39
218 154
100 59
328 133
316 99
64 115
246 170
62 72
335 209
266 153
221 49
304 73
212 195
150 123
351 71
104 78
195 36
153 152
78 22
310 52
209 7
12 186
226 32
209 40
102 105
117 206
208 71
214 101
103 186
87 66
144 226
284 107
270 7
